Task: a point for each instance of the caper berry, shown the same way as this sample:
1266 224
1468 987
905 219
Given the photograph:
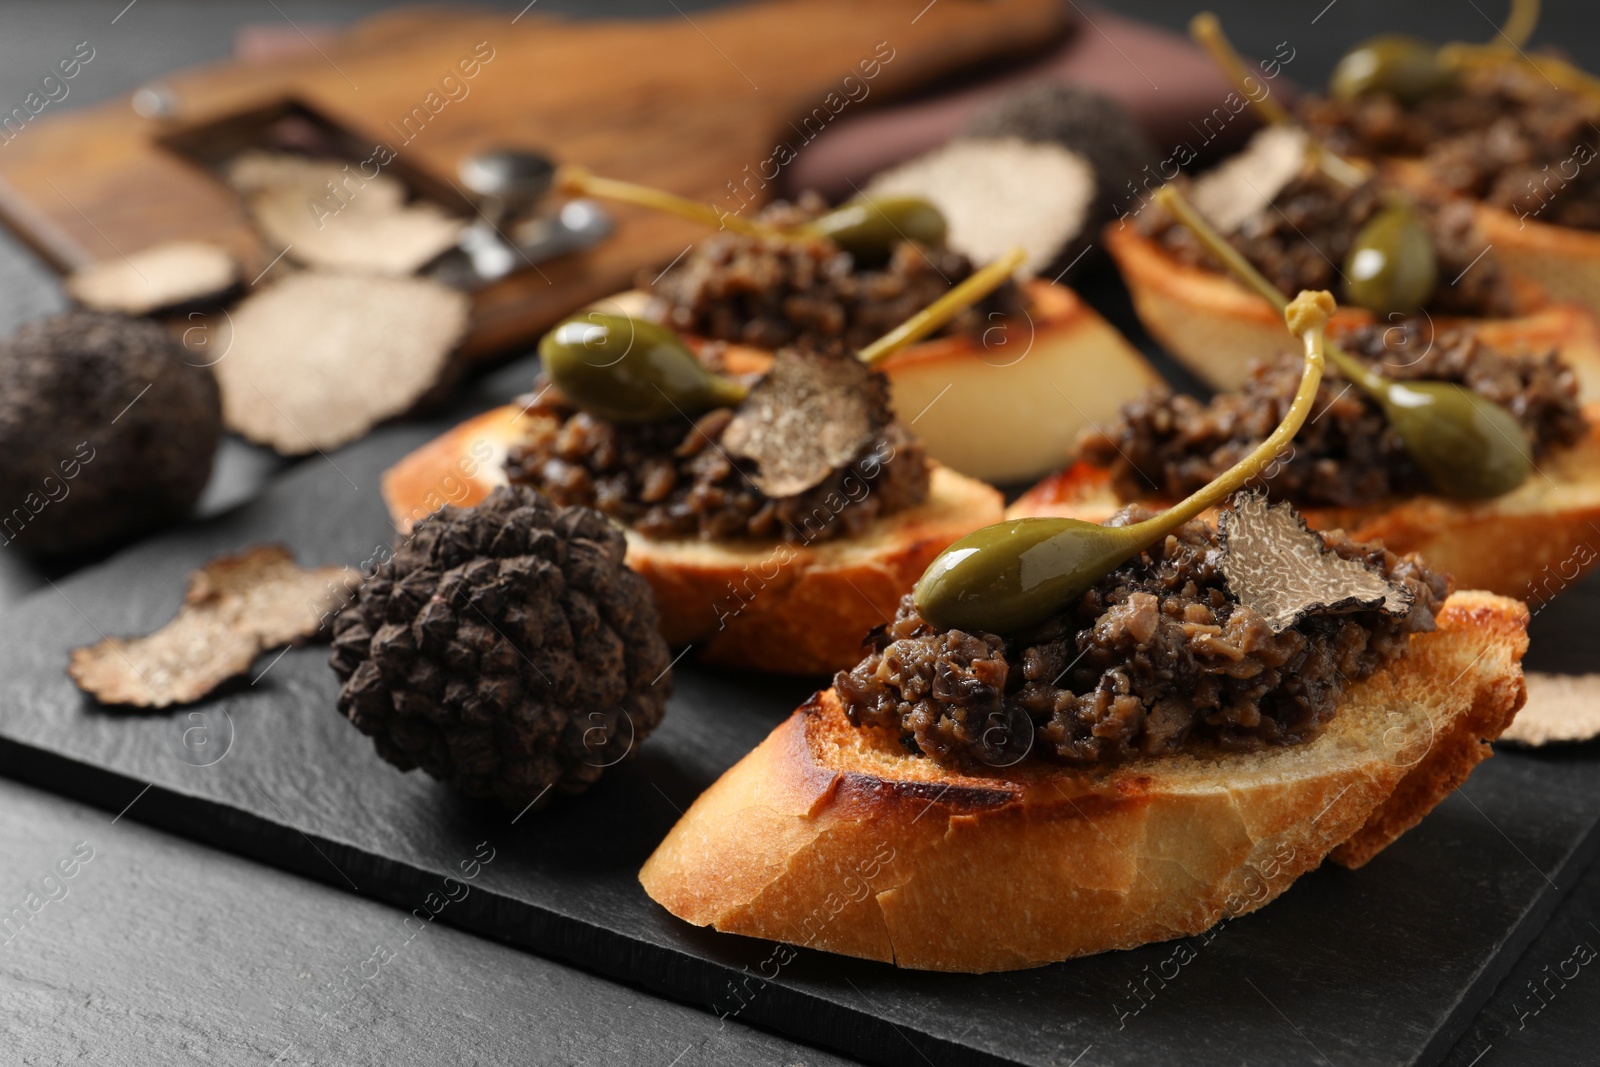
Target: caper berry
869 229
1012 575
629 370
1392 268
1408 69
1468 445
1465 443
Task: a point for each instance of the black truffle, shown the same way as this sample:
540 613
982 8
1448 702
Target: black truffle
106 431
505 649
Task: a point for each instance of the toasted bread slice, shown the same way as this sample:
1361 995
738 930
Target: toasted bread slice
791 608
830 837
1066 370
1530 543
1216 327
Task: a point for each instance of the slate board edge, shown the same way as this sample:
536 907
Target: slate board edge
680 976
1568 873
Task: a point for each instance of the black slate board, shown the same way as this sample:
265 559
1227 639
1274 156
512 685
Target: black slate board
1384 965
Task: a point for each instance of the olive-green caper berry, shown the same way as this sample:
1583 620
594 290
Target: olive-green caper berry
1465 443
629 370
869 229
1408 69
1392 267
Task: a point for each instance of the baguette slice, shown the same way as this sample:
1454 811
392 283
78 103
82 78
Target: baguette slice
1216 327
1530 543
758 605
1066 370
826 836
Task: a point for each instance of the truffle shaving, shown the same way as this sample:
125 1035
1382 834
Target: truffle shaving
999 193
161 276
236 607
810 416
1246 185
1560 708
316 360
1282 570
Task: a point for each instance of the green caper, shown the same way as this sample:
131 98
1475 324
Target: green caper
869 229
1468 445
1392 267
629 370
1408 69
1012 575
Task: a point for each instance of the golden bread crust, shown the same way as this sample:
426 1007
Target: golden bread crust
831 837
760 605
1216 327
1530 543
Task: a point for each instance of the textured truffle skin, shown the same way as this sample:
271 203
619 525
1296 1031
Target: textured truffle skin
85 459
505 649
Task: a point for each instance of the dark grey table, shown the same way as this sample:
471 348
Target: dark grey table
158 950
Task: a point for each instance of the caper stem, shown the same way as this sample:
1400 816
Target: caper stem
1307 316
1180 209
973 289
580 181
1206 30
1520 22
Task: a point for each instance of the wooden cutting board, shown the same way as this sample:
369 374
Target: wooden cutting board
697 107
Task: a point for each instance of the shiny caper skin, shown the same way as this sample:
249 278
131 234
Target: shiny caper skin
1392 267
1405 67
628 370
1012 575
1465 443
869 229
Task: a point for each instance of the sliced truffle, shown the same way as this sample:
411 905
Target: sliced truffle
358 234
330 215
1084 122
1560 708
236 607
810 416
161 276
505 649
316 360
1245 185
1281 569
999 194
105 431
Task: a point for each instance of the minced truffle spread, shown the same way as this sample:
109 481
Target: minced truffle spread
1158 658
675 478
1505 136
1303 238
774 291
1346 455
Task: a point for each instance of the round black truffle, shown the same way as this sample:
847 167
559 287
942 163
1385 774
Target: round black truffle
505 649
106 431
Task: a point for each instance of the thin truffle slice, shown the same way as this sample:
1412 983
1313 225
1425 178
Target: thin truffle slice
161 276
236 607
1245 185
316 360
1282 570
361 234
328 214
1560 709
810 416
998 194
